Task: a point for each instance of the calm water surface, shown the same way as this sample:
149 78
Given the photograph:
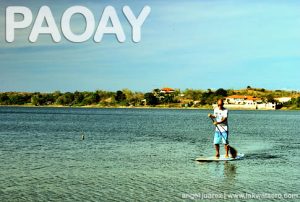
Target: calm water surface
142 155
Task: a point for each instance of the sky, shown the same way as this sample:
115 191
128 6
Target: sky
199 44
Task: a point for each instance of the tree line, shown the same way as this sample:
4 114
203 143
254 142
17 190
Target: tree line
126 97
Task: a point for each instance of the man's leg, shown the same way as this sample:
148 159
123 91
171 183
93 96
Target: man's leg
226 150
226 143
217 147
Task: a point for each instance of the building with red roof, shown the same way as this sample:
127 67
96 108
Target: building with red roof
242 99
167 90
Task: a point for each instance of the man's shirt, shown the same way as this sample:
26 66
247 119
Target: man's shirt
220 115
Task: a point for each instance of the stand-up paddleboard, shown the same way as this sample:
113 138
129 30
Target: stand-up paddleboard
221 158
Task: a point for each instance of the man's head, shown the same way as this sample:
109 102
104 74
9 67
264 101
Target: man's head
220 103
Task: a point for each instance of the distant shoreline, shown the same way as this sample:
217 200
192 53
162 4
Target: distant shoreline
140 107
165 98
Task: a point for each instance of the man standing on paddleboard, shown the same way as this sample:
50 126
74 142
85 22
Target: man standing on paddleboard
221 133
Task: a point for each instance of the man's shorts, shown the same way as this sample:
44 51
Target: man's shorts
221 138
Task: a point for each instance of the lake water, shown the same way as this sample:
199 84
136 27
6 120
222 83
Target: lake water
144 155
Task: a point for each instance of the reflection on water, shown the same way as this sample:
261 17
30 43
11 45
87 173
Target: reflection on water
220 171
230 172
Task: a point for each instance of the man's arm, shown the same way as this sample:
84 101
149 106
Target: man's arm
224 120
211 116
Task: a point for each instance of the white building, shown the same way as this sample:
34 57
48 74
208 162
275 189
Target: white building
283 99
245 102
242 100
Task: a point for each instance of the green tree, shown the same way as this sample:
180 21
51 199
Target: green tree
78 97
65 99
128 93
95 98
61 100
207 97
221 92
156 92
297 102
136 99
105 94
36 99
168 98
270 98
151 99
56 94
47 99
87 100
4 99
18 99
193 94
120 96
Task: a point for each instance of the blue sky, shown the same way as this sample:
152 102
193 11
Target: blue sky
185 44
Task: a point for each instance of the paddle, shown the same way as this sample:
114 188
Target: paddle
232 150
